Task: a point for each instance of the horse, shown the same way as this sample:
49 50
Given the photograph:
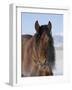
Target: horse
38 52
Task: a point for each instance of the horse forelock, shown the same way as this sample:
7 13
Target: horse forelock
50 50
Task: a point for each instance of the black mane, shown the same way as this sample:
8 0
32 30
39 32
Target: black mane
51 52
50 49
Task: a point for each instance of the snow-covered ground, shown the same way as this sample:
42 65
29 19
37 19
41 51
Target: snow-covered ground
58 44
58 70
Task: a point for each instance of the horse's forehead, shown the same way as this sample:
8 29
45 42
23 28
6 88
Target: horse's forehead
43 26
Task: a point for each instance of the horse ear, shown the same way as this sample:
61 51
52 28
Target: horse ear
49 26
37 26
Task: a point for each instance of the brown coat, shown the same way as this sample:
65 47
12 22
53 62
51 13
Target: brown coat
31 57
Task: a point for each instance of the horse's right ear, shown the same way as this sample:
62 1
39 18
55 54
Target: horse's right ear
37 26
49 26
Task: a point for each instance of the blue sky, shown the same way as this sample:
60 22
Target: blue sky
28 21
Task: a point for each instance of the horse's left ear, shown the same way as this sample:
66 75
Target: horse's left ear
49 26
37 26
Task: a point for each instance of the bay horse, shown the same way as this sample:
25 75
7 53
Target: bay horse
38 53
